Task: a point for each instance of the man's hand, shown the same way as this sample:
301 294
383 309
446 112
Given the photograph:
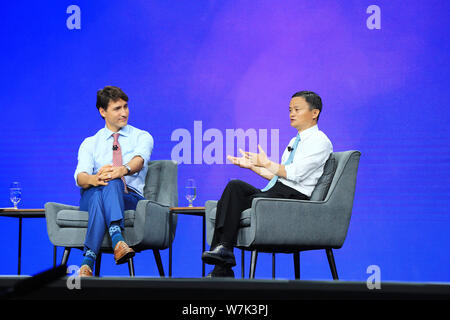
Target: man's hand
241 162
258 159
95 181
260 163
108 173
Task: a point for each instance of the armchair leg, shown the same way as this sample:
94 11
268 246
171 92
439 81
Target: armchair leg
131 267
242 263
98 262
332 264
158 262
273 265
253 264
65 257
297 265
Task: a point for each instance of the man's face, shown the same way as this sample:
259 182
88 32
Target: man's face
301 117
116 115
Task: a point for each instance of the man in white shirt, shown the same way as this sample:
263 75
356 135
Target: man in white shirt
111 171
301 166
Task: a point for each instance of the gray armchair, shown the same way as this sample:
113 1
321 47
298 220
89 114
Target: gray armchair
147 227
292 226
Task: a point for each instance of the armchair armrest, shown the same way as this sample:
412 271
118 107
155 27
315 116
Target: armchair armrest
289 222
151 224
51 211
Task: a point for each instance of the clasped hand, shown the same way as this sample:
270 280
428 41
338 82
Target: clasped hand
107 173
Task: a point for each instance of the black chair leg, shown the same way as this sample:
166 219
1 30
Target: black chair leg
98 262
297 265
332 264
253 264
131 267
158 262
242 264
273 265
65 257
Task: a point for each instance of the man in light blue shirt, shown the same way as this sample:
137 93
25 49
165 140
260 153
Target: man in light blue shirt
295 178
111 170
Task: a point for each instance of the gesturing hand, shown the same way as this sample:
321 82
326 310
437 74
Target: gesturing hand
241 162
258 159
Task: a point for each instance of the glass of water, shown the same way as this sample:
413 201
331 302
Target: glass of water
15 193
191 191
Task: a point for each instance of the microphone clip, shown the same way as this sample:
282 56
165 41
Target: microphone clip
115 147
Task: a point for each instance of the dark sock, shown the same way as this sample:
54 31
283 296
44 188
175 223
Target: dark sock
116 233
89 258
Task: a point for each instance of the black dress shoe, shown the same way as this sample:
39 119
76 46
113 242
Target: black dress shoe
221 272
219 255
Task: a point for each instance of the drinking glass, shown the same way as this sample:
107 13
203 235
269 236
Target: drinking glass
15 193
191 191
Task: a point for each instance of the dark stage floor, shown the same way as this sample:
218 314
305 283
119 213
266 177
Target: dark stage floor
22 287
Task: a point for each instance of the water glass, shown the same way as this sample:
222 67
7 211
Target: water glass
191 191
15 193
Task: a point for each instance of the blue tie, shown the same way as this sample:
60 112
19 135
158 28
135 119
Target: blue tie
288 161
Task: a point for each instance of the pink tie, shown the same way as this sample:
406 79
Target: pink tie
117 157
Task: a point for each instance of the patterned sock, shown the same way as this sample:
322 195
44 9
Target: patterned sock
116 234
89 258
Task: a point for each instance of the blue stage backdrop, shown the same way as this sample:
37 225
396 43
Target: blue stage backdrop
201 70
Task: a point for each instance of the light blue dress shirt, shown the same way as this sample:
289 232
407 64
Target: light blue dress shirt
309 160
96 152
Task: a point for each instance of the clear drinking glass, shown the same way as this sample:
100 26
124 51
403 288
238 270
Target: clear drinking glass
15 193
191 191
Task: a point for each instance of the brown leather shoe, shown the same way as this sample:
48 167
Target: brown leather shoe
122 252
85 271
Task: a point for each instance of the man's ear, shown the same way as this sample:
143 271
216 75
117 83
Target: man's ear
316 113
102 112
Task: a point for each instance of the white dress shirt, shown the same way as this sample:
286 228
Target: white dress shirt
310 156
96 152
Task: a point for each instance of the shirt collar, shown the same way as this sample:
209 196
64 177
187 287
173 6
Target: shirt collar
124 131
308 132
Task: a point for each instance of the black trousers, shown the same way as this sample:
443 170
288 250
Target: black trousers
237 197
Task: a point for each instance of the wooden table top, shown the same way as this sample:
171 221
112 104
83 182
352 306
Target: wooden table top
39 213
195 211
22 213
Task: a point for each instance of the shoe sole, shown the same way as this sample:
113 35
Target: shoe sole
219 276
125 257
213 260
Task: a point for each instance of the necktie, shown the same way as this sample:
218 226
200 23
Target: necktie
288 161
117 157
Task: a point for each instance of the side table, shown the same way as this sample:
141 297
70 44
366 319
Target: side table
24 213
193 211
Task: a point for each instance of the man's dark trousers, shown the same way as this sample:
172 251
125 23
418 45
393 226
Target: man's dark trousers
237 197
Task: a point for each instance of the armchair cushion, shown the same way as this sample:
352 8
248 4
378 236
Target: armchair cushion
79 219
244 221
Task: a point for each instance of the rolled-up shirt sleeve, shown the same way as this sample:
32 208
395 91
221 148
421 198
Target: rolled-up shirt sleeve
314 156
144 146
85 159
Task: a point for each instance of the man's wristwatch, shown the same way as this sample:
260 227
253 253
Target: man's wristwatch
128 169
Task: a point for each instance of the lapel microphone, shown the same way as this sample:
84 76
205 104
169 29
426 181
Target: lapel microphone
290 148
115 147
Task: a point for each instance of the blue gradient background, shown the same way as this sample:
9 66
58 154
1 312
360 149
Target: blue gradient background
235 64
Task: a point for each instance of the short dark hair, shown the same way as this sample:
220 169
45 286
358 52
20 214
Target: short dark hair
108 93
312 98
